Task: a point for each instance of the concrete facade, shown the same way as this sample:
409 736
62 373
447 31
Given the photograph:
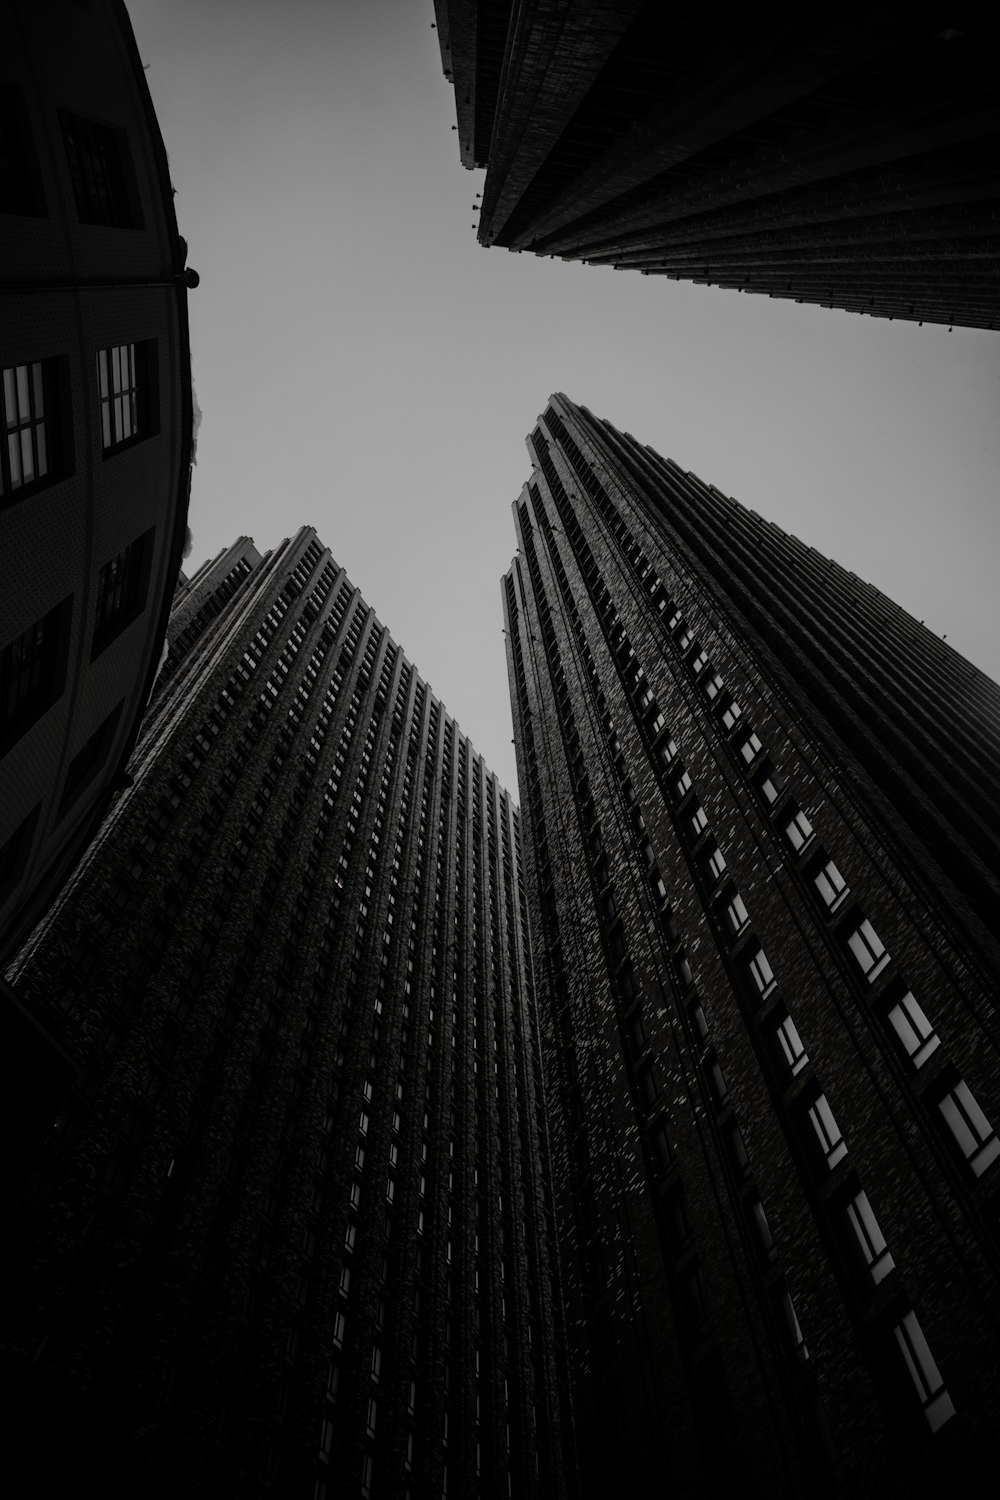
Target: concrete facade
292 1233
770 1037
845 157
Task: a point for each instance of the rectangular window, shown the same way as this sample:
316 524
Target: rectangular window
698 661
122 585
830 884
96 156
32 671
731 714
771 786
972 1132
90 759
760 973
29 455
913 1029
790 1323
713 686
682 785
868 1238
715 864
699 820
751 748
827 1131
798 830
791 1052
868 950
923 1371
736 913
126 375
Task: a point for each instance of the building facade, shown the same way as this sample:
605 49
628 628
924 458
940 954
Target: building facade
291 1233
95 449
760 807
845 157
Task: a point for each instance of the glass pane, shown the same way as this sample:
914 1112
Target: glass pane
102 373
126 416
106 424
118 418
10 398
24 405
14 457
116 369
43 462
27 455
36 371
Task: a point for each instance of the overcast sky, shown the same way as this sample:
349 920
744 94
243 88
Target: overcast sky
364 367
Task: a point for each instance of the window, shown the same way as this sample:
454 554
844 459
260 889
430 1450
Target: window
868 1238
97 163
868 949
923 1371
682 785
731 713
713 686
972 1132
771 786
649 1086
790 1051
699 821
750 748
715 864
828 1137
89 759
830 884
716 1080
735 913
122 585
798 830
790 1323
698 661
125 383
32 671
761 974
913 1029
30 452
760 1227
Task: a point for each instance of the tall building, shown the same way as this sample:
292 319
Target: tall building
95 433
291 1234
761 810
844 155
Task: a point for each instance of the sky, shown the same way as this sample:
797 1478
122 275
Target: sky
365 367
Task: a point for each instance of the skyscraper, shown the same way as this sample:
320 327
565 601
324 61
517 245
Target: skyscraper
761 807
291 1233
95 435
843 155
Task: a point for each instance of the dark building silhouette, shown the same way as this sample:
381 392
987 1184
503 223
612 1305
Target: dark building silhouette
761 815
95 447
291 1233
843 155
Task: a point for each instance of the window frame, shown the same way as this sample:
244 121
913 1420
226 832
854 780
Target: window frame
34 703
867 1240
972 1134
126 591
100 170
859 939
144 418
827 1134
921 1366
